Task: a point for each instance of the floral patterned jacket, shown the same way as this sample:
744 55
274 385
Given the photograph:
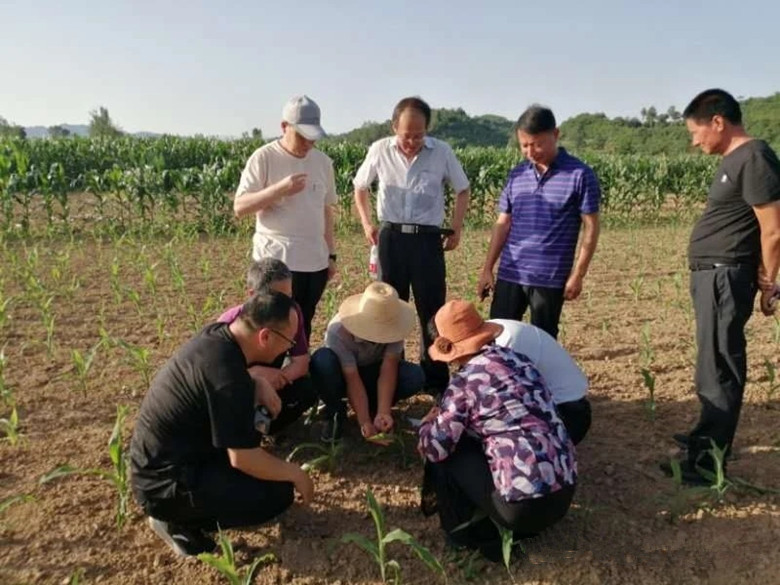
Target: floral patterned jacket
500 397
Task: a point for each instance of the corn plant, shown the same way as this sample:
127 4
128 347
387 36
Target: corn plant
772 383
636 285
646 354
10 427
226 563
113 279
507 543
394 441
776 331
150 278
649 380
83 364
378 550
118 475
139 358
75 576
12 500
6 392
328 458
135 298
5 310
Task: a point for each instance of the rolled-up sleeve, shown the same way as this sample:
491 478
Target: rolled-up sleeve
439 437
367 172
455 175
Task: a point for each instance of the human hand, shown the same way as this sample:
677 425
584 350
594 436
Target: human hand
573 287
370 232
383 422
769 300
266 395
332 269
368 430
273 376
485 284
451 242
303 485
292 184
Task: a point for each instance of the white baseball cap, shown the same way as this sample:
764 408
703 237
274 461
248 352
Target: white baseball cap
303 114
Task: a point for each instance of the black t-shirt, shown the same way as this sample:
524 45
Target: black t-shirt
199 404
728 231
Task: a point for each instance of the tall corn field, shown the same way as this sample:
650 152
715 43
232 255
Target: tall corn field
75 183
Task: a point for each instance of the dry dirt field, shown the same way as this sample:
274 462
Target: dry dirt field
628 524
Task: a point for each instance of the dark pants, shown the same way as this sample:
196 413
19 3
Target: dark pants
723 301
576 417
215 494
417 261
464 487
297 398
328 377
510 300
307 288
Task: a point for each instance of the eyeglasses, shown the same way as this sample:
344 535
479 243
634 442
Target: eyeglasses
291 342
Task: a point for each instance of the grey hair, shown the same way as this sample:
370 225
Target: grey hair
265 272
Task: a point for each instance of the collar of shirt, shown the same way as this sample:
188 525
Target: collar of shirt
427 143
561 154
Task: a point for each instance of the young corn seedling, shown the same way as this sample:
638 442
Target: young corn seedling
113 279
5 310
226 563
636 285
139 358
649 380
507 542
150 278
83 364
118 475
646 354
776 331
135 298
10 427
6 392
328 458
378 550
395 441
717 478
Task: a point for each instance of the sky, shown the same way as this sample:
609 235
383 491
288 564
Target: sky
223 68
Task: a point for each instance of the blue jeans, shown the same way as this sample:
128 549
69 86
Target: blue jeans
328 379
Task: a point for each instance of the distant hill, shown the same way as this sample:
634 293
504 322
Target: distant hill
75 130
453 125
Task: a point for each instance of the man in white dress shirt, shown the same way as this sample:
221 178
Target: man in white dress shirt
411 169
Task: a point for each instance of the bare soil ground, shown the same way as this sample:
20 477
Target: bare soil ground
628 523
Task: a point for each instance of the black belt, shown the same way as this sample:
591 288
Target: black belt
696 266
415 228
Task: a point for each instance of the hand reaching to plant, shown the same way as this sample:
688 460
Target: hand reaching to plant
383 422
769 300
368 430
273 376
304 486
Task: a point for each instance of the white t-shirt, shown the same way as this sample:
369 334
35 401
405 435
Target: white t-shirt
562 374
293 229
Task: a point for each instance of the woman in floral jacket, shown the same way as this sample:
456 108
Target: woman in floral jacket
495 447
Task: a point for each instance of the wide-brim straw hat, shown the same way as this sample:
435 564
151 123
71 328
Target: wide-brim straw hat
377 314
462 331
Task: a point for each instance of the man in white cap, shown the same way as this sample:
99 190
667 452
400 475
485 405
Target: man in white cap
289 187
361 361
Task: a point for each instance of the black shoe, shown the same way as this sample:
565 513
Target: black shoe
689 475
185 542
334 429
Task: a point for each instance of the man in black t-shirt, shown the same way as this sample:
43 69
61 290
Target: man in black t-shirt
734 252
195 455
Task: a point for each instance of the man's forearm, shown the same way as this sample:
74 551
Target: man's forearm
363 205
254 201
590 238
770 255
329 228
297 368
461 207
497 241
262 465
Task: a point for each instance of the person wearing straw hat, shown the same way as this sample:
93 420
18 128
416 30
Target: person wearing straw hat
495 446
361 361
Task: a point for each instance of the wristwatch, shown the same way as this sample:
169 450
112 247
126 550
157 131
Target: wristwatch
332 257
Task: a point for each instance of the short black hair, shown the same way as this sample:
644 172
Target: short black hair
266 309
535 120
412 103
264 272
714 102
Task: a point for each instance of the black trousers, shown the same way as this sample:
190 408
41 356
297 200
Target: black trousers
307 288
723 301
417 261
297 398
510 300
464 486
216 494
576 417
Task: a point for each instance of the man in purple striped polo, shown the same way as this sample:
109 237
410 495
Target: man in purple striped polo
546 199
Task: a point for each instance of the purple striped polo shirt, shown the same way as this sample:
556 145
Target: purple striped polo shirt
546 214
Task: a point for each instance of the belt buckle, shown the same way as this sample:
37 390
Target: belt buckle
408 229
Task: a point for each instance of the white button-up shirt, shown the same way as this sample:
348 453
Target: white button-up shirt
411 191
